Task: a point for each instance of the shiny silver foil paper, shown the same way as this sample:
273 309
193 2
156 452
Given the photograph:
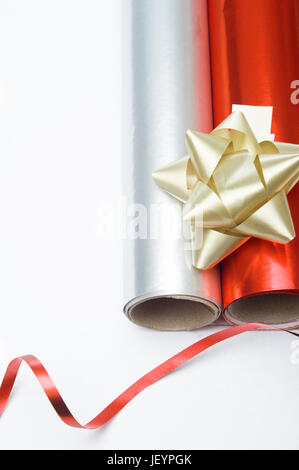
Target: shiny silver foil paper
166 78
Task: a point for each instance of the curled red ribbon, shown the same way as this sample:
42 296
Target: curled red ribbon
124 398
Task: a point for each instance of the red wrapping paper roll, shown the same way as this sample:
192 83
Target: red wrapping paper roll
255 59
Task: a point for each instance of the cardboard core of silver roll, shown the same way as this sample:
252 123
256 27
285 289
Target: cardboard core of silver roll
173 312
279 309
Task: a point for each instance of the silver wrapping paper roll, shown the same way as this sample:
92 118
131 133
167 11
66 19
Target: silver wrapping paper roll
166 91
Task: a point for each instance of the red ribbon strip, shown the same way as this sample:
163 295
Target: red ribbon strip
122 400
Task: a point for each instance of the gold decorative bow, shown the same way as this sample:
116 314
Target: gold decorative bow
233 187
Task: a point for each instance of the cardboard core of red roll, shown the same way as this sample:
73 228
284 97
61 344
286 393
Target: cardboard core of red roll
173 313
280 309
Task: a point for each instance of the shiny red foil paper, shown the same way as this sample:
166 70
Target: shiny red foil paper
255 60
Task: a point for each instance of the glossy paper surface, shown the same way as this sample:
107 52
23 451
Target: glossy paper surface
167 90
255 61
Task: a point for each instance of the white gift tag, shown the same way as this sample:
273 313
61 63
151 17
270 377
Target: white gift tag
259 119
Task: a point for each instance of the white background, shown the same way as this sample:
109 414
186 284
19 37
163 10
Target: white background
61 283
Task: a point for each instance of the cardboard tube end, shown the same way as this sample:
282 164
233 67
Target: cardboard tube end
279 309
173 312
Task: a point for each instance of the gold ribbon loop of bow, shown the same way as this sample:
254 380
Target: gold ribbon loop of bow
232 187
